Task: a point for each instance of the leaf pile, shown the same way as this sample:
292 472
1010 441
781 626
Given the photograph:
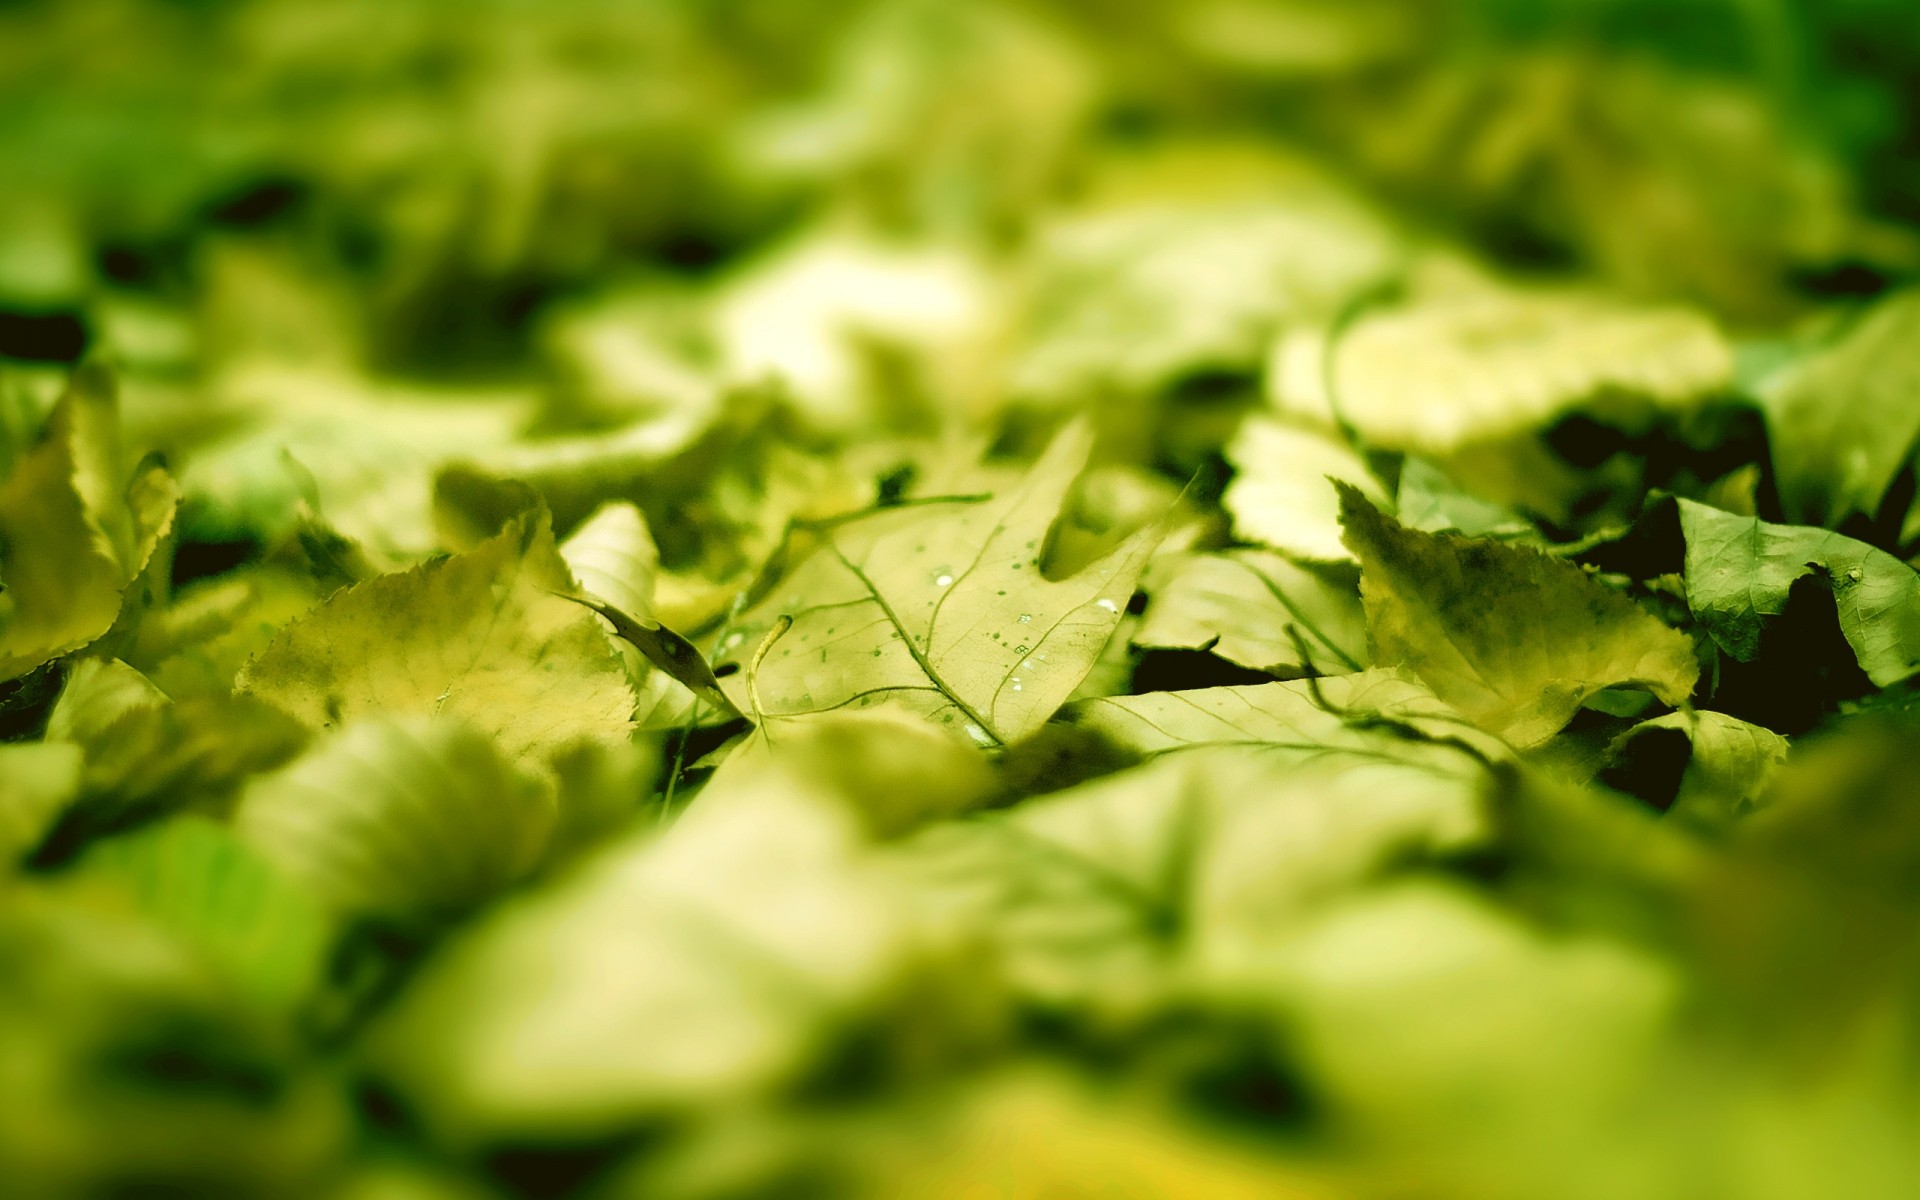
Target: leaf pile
1250 598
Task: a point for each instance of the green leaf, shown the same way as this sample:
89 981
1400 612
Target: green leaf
1729 764
479 636
1344 714
1134 297
1842 421
1490 363
402 821
674 655
357 452
73 535
943 609
1241 604
37 781
144 752
613 557
1512 638
1104 895
1280 495
1430 501
198 880
695 967
1740 570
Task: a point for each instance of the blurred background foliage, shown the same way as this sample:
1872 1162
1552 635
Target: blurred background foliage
358 264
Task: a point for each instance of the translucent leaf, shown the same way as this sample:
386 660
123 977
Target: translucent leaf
1280 495
478 636
406 821
1488 363
1512 638
943 609
613 557
1241 604
1339 715
1740 571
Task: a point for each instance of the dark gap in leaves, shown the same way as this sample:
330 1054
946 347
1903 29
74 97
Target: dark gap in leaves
692 252
258 203
555 1170
1205 482
1848 280
1804 669
1187 670
383 1110
468 326
27 702
1584 442
893 487
1887 521
1650 767
726 669
49 337
126 264
1211 386
369 965
1709 444
185 1055
200 560
700 742
1521 246
1652 546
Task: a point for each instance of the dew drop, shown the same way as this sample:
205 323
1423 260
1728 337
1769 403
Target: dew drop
1107 604
978 734
1026 618
942 579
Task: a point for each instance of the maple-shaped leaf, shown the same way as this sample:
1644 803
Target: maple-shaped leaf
478 635
1511 637
1741 570
943 609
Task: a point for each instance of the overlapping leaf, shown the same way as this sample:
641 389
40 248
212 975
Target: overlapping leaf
73 533
1843 420
1510 637
942 609
478 636
1257 609
1740 572
404 822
